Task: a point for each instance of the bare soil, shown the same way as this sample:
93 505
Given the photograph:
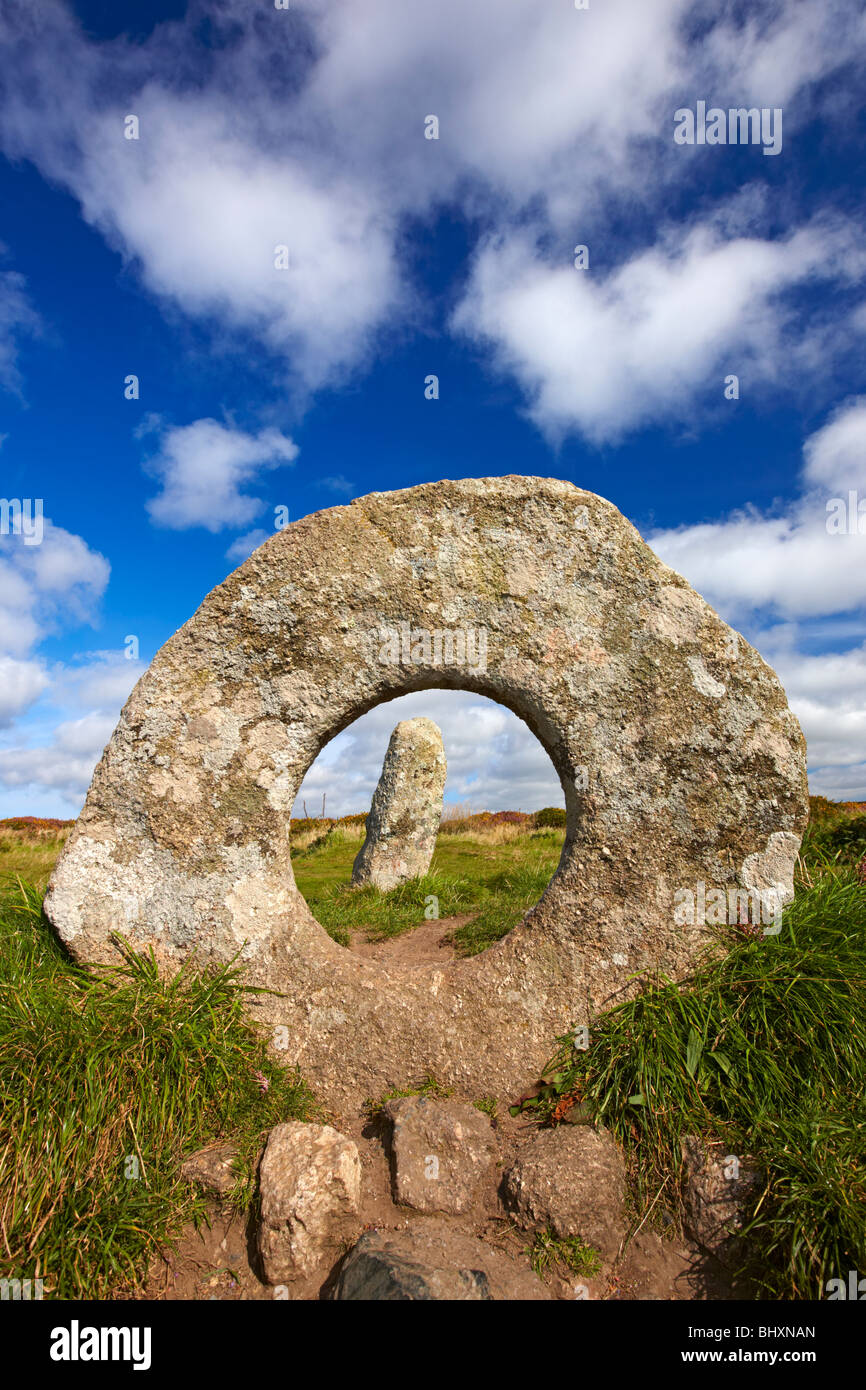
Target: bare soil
430 943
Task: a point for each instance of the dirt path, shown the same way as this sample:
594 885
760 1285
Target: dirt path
430 943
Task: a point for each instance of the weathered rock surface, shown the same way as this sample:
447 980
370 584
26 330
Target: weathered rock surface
572 1180
212 1168
310 1185
717 1187
679 759
407 808
432 1261
441 1152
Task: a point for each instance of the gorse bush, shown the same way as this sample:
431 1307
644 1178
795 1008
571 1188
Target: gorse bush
481 822
107 1080
35 827
550 816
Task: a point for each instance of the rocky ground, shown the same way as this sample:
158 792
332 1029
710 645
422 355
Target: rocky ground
431 1199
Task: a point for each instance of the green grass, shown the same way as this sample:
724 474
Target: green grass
507 897
766 1049
102 1073
488 1105
568 1255
498 882
429 1087
28 858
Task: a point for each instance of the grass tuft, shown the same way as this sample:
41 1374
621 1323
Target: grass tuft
568 1254
429 1087
108 1079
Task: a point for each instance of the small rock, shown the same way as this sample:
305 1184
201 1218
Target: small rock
406 810
310 1184
571 1180
582 1113
716 1189
212 1168
441 1152
431 1261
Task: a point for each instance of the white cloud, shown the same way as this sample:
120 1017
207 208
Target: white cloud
98 681
836 455
826 692
609 353
519 91
789 563
53 754
773 55
309 132
545 105
21 683
204 213
55 720
224 171
65 765
204 466
17 318
43 587
494 762
242 548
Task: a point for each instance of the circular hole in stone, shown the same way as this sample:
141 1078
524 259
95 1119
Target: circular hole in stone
490 858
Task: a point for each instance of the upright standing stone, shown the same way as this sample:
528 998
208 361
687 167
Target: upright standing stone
407 808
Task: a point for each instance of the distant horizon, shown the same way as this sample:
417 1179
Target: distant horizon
48 820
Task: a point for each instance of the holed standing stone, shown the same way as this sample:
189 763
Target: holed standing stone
681 764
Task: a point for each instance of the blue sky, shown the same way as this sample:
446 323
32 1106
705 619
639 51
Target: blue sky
408 257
